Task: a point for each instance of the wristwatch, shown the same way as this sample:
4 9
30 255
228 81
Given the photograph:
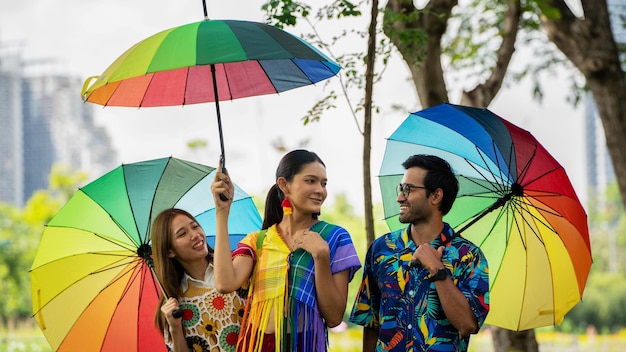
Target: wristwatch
441 274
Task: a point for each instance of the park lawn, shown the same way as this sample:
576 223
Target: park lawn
28 338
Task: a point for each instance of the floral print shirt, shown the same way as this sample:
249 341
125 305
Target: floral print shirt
211 320
402 303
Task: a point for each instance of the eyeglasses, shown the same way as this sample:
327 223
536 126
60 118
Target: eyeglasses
405 189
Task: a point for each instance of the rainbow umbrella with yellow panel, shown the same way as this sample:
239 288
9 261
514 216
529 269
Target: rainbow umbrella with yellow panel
515 202
92 279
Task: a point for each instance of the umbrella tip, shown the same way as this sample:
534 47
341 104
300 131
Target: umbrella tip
517 189
144 251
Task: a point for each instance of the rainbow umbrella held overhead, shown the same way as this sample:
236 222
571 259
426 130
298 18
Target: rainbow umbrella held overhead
209 61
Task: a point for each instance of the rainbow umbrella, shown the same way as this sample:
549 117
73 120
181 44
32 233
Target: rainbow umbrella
515 202
207 61
92 280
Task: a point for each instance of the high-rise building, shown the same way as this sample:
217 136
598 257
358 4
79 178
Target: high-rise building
46 123
11 120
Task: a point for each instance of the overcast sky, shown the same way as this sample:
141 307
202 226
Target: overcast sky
83 37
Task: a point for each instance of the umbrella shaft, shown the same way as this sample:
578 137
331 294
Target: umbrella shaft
206 14
219 117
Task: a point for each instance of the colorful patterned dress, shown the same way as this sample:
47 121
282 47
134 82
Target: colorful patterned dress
403 304
211 320
284 283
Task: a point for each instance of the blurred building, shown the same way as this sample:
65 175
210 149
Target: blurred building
44 122
11 120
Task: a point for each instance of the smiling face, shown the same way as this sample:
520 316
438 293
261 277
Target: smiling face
188 242
307 191
416 207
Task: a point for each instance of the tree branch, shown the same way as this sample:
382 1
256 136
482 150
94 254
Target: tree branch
483 94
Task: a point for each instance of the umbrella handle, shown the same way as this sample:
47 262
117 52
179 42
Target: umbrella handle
222 195
177 313
145 251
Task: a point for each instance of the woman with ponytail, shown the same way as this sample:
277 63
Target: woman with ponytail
298 266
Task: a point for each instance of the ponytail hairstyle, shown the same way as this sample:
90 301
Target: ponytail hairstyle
289 166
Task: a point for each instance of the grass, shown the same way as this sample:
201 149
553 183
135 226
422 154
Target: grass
548 339
23 339
28 338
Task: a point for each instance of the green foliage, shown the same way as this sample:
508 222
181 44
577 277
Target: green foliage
64 181
282 13
603 305
315 113
604 298
410 39
16 252
20 232
285 12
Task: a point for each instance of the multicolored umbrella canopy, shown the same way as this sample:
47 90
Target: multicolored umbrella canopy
92 284
515 202
209 61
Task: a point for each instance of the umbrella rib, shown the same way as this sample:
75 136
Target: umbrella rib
101 270
522 207
268 76
507 163
526 167
476 194
500 187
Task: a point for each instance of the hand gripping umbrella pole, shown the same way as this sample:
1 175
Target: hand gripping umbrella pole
145 252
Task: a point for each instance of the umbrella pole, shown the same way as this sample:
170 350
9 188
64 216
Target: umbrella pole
145 252
206 14
219 116
219 125
516 190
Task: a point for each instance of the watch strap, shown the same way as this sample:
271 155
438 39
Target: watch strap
441 274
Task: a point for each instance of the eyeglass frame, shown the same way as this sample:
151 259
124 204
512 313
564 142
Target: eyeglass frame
405 189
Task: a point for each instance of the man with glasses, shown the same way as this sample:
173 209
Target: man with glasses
424 288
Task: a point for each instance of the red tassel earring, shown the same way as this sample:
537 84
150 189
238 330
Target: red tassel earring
287 209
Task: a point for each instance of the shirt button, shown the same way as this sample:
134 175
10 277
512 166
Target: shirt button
410 326
412 293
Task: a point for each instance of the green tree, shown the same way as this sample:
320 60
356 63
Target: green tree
604 298
607 226
16 253
603 305
20 232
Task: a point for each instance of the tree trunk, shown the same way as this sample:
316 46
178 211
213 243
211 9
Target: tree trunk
514 341
589 44
367 124
423 58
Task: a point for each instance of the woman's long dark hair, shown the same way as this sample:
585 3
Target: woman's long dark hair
169 270
289 166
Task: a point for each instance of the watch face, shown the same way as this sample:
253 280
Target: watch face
440 275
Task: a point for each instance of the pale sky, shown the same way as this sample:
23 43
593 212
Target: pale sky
85 37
